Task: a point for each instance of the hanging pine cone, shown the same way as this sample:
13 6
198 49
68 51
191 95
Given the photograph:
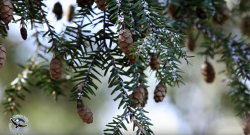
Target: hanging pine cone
145 99
155 62
23 32
133 58
245 25
207 71
2 55
190 43
82 3
145 31
56 68
224 14
201 13
58 10
160 93
246 125
174 11
71 13
125 40
84 112
6 11
101 4
140 95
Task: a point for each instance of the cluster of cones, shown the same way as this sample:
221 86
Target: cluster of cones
176 12
140 95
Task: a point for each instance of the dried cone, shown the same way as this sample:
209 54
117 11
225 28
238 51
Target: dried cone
23 32
132 58
145 99
82 3
246 125
101 4
58 10
71 12
84 113
56 68
207 71
245 25
139 95
159 93
190 43
155 62
224 14
6 11
125 40
173 11
2 55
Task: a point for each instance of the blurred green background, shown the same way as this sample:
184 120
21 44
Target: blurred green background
194 108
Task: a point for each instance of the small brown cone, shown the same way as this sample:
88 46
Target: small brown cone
140 95
101 4
145 31
6 11
245 25
84 113
132 58
2 55
224 14
58 10
173 11
246 125
82 3
125 40
71 13
208 72
155 62
23 32
190 43
56 68
159 93
145 99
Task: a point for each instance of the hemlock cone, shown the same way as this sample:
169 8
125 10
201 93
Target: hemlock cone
58 10
155 62
245 25
160 93
101 4
138 96
125 40
71 13
208 72
6 11
190 43
82 3
132 58
23 32
56 68
84 113
246 125
224 14
2 55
